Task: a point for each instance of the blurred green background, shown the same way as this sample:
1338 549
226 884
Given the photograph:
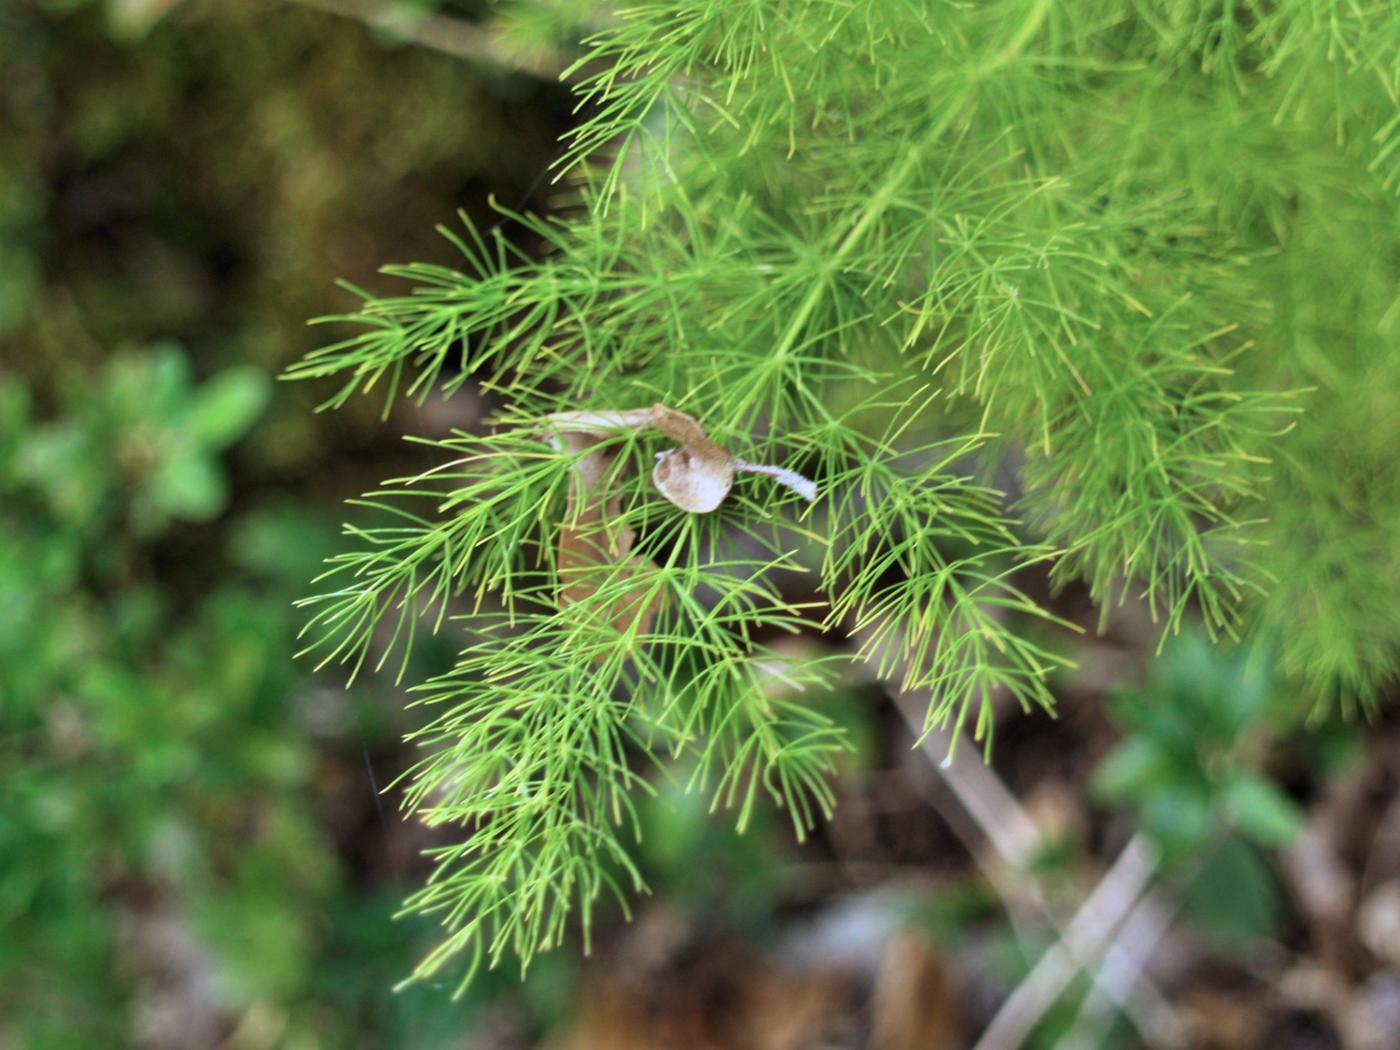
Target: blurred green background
191 850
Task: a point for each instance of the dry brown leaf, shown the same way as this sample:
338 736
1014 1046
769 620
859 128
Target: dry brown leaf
673 986
698 475
695 477
916 1002
594 547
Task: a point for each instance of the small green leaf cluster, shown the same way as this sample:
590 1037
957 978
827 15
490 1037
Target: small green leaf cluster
1191 768
1101 254
139 445
1189 763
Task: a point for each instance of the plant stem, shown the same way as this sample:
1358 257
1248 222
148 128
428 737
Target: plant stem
880 199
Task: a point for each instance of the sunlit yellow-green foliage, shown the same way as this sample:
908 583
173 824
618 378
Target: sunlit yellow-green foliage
1142 255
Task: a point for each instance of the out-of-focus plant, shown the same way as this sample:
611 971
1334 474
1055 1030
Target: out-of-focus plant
204 181
1192 768
182 168
139 445
164 852
149 763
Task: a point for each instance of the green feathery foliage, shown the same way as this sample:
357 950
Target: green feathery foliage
1103 251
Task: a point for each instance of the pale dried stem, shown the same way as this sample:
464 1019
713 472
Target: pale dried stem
1090 935
1120 972
1017 841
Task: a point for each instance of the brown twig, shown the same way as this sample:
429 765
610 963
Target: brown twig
448 35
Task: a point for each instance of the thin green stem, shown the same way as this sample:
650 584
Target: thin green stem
884 194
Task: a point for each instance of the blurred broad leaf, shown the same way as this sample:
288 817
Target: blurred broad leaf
1233 900
1189 761
227 405
1132 768
1261 811
188 486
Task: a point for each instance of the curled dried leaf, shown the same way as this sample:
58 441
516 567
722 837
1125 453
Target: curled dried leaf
594 547
693 482
698 476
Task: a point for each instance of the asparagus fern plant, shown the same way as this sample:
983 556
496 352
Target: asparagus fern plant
1102 291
